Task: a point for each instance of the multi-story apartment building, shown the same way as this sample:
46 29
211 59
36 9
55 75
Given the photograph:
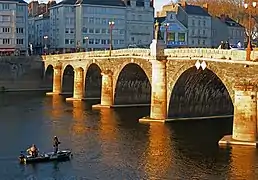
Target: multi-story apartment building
173 31
198 22
233 32
13 27
39 31
139 22
85 24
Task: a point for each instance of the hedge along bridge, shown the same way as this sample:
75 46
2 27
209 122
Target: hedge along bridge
239 77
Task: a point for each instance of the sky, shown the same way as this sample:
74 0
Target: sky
157 3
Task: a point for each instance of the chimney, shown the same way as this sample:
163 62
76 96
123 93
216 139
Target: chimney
205 7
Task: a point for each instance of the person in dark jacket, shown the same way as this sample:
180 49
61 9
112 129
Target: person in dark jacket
56 144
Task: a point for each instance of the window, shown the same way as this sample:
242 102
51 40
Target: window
103 41
91 41
171 37
103 31
204 23
66 30
203 32
6 30
97 21
66 41
5 6
97 41
121 31
192 41
115 41
193 23
199 22
121 41
6 41
97 31
181 37
71 30
84 30
19 8
104 21
19 41
199 42
91 20
203 42
19 30
91 31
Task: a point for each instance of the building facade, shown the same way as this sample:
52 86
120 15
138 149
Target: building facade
233 32
84 25
39 31
173 32
198 22
13 27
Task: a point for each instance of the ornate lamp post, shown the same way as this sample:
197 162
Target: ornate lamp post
166 28
45 48
86 43
111 25
249 46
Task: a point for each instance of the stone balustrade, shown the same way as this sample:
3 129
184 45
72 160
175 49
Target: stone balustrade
141 52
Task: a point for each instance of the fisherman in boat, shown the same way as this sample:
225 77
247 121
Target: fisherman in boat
56 144
33 151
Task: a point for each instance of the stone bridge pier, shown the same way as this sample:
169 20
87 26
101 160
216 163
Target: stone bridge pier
78 90
57 80
245 117
107 90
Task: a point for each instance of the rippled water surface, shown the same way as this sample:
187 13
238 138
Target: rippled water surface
112 144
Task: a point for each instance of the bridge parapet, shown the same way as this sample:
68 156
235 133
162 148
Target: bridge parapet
84 55
207 53
141 52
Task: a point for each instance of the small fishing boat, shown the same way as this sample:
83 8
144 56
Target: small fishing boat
46 157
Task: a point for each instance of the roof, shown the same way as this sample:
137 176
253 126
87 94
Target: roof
94 2
160 19
195 10
18 1
230 22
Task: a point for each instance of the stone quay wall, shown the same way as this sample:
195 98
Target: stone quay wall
19 73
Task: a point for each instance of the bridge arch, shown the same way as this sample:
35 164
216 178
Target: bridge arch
48 76
144 64
132 84
68 78
185 68
93 80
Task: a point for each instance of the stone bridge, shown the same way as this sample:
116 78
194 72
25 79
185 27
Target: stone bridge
163 71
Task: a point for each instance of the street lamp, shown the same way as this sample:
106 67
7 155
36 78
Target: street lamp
86 43
111 25
166 27
249 46
45 48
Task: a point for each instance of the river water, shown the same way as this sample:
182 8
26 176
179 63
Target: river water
111 144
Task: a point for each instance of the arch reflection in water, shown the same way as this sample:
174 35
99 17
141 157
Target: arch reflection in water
159 157
57 107
243 163
78 126
108 128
